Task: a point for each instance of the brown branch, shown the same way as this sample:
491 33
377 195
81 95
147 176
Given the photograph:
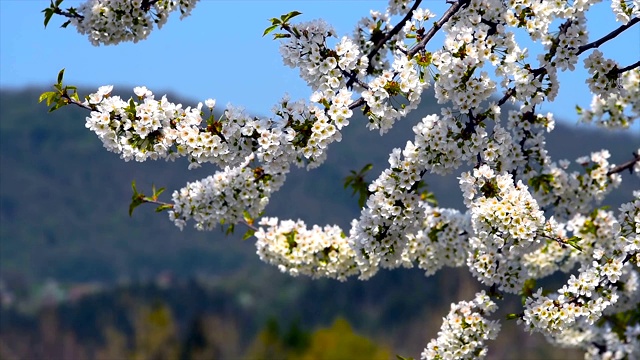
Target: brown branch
630 67
457 5
356 103
73 101
69 13
396 29
608 37
437 25
624 166
380 43
353 78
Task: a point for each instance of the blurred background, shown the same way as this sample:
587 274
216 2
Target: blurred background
80 279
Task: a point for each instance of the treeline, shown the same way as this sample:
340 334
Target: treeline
269 318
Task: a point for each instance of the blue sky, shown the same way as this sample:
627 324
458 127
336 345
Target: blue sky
219 52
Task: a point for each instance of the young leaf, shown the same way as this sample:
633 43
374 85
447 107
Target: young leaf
269 29
290 16
164 207
248 234
47 96
133 187
48 14
60 76
512 316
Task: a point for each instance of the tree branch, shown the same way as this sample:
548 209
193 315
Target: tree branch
630 67
437 25
69 13
73 101
378 45
396 29
608 37
627 165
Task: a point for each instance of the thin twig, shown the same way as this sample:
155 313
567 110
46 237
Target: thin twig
73 101
67 14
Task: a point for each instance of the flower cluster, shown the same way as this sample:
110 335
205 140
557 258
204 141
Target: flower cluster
442 145
629 220
503 237
617 107
316 252
466 49
465 330
625 10
600 342
441 241
574 192
606 344
398 7
387 89
604 74
157 129
368 31
505 220
321 67
391 212
607 282
228 196
113 21
551 254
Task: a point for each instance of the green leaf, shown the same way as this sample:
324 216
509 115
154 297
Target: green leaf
512 316
269 29
133 187
134 204
289 16
160 191
362 200
48 14
164 207
573 242
349 179
230 229
136 198
291 239
60 76
281 36
248 234
65 24
365 169
57 106
429 197
46 96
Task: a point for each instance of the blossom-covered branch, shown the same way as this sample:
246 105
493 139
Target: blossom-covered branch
526 215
